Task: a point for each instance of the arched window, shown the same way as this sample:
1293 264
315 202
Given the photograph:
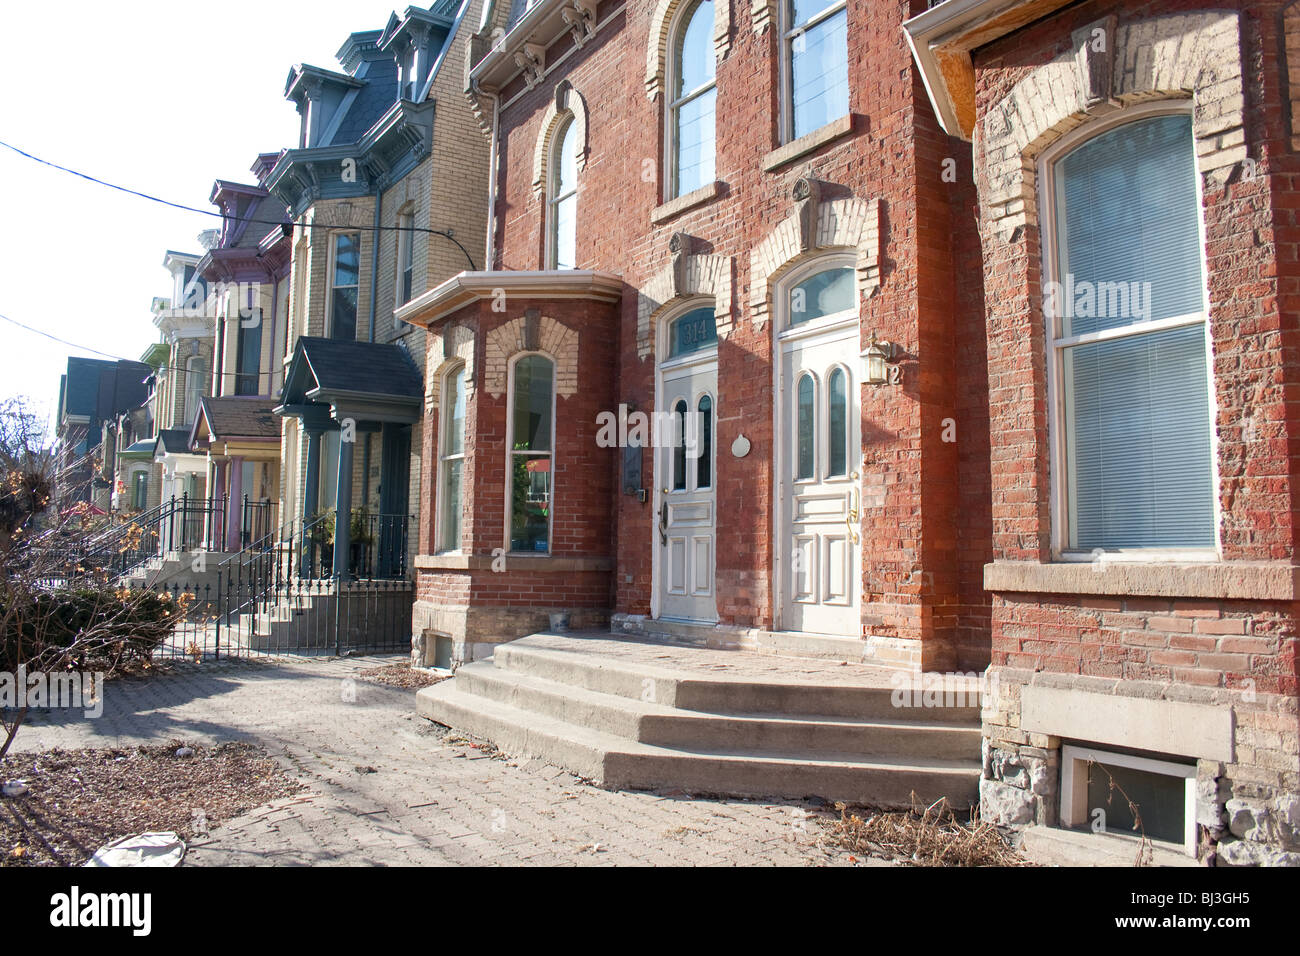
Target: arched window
692 105
837 424
679 445
694 331
562 199
805 428
1126 313
532 405
815 62
823 293
704 464
452 458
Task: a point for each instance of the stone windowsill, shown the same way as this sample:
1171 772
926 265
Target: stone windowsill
514 563
1224 580
808 143
696 197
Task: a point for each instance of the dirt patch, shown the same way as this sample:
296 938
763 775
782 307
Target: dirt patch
401 675
79 800
921 836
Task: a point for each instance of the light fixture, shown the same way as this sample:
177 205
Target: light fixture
875 359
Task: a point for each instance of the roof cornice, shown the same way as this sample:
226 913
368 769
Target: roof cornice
467 287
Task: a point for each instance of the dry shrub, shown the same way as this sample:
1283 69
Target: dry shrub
929 836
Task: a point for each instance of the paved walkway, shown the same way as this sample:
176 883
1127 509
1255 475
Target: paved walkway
387 787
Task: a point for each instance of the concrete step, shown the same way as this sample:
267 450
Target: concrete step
650 722
619 763
723 695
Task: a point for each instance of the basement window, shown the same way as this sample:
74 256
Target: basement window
1098 786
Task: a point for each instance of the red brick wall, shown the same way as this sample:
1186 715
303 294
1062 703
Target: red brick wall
921 579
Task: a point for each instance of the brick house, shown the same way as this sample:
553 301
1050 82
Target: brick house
905 424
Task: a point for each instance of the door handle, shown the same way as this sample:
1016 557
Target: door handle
663 523
851 518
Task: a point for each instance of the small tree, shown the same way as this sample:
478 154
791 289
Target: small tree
57 613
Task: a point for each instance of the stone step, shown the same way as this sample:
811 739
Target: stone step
725 695
619 763
650 722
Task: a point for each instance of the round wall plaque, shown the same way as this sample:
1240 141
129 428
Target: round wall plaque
740 447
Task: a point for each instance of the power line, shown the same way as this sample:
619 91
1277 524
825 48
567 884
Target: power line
120 358
446 234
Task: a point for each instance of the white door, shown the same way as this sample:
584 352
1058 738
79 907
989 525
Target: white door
818 468
685 481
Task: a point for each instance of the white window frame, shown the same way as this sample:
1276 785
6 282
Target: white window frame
1074 786
563 127
333 265
1055 347
511 453
785 68
673 107
444 425
193 389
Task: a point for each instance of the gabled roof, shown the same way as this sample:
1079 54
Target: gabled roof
323 367
234 417
173 441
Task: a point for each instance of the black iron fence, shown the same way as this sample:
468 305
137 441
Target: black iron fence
240 619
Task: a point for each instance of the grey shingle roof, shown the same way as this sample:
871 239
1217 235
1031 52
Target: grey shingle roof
238 417
370 367
174 441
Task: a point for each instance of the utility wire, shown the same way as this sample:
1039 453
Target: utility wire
248 219
119 358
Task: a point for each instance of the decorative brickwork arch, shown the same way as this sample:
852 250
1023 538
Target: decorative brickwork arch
531 333
566 101
685 276
661 22
815 226
1112 65
455 344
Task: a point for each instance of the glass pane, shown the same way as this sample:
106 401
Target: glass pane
825 293
567 170
249 359
695 61
804 10
1138 432
806 428
344 325
819 74
451 508
679 446
347 258
704 464
530 503
695 330
566 233
533 378
454 443
837 428
1129 227
695 142
1161 801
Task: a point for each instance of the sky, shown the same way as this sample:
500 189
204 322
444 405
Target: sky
162 97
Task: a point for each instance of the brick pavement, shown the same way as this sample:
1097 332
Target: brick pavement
386 787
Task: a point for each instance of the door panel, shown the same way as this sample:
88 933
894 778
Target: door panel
818 461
